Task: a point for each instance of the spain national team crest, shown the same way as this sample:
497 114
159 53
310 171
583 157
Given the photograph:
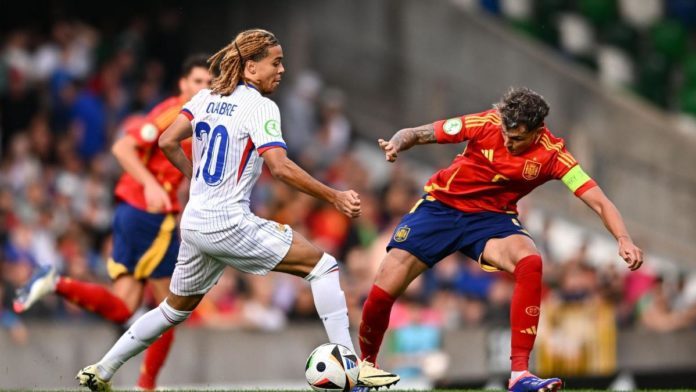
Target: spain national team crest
531 170
402 233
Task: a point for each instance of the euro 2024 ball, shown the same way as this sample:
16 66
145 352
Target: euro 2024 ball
332 367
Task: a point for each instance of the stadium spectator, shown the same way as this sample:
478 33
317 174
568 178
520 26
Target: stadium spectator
664 308
579 326
11 322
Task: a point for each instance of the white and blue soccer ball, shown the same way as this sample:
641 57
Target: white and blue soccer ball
332 367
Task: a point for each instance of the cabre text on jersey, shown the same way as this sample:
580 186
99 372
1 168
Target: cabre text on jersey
222 108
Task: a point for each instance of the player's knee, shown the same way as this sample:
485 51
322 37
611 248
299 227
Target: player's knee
529 265
327 264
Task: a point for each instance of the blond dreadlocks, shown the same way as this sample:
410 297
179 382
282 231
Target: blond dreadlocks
228 64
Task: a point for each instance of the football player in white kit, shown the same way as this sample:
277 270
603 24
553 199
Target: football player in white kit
235 130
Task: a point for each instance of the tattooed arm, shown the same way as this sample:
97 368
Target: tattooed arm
405 139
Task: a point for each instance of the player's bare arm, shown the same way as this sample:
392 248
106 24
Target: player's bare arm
600 203
284 169
125 151
407 138
170 143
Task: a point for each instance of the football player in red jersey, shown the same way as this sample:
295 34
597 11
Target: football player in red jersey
471 207
145 239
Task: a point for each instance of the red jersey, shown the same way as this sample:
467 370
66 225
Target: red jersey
487 177
146 131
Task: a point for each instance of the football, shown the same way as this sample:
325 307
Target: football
332 367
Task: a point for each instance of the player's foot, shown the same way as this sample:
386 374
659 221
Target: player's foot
360 389
89 378
527 382
41 283
372 377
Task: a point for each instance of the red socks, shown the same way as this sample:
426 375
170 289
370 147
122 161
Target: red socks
94 298
524 315
375 320
524 310
155 355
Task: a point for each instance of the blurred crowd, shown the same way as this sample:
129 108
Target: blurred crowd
64 94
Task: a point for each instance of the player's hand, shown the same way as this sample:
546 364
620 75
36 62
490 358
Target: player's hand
348 202
632 254
390 152
156 198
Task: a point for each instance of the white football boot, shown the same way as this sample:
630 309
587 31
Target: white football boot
372 377
88 377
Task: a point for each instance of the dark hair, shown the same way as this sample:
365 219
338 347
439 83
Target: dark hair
522 106
193 61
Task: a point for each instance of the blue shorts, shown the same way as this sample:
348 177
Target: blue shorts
433 231
145 245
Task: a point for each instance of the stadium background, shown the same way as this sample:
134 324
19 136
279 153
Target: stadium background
620 76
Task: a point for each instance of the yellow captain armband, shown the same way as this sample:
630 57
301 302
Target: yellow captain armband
575 178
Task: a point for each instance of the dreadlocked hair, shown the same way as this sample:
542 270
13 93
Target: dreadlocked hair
522 106
227 65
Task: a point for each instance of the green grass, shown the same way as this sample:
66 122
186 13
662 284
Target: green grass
430 390
381 390
440 390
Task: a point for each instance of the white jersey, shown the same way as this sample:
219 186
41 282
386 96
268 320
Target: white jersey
229 134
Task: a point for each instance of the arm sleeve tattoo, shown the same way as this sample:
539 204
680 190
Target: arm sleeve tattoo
409 137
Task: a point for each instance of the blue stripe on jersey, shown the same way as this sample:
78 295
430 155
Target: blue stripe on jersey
271 144
189 112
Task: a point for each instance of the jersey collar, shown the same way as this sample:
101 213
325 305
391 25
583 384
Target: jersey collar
241 83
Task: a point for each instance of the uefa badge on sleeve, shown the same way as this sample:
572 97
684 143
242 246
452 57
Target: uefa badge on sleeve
402 233
272 128
452 126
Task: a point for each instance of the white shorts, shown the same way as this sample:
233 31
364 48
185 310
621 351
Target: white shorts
253 245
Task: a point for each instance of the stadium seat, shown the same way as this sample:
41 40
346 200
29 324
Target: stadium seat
598 12
641 14
621 35
688 100
640 44
653 79
689 70
669 38
682 10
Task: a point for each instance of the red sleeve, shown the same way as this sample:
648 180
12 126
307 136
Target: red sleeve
145 133
187 146
164 114
467 127
585 187
140 129
563 162
159 119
